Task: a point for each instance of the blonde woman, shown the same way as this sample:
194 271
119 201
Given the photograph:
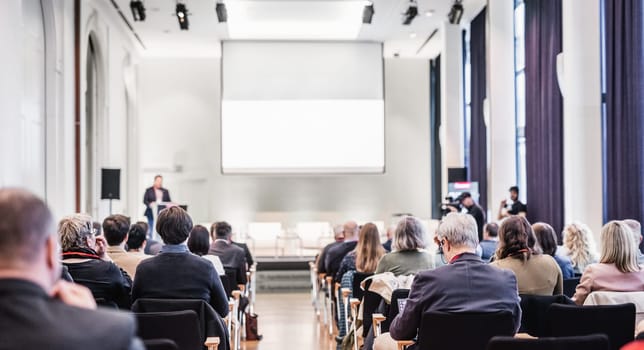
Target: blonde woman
617 269
579 246
367 254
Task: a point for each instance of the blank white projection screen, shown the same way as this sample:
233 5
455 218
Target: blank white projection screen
302 107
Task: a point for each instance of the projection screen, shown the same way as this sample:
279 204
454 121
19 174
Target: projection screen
302 107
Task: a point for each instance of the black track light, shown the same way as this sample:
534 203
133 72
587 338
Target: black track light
455 13
138 10
411 13
182 16
367 13
222 14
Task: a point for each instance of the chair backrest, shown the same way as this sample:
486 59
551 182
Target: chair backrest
226 283
616 321
210 323
358 277
370 303
231 273
463 330
613 298
587 342
106 303
160 344
569 286
534 307
182 327
392 311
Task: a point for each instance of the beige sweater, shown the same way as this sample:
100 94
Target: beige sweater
540 275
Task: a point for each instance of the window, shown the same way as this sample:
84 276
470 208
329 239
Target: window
467 100
519 89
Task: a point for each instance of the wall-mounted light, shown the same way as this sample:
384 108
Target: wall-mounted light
456 13
138 10
182 16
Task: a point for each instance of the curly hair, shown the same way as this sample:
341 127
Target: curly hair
578 239
515 234
74 230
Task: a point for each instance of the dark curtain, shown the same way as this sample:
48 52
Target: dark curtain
478 130
624 118
544 113
434 125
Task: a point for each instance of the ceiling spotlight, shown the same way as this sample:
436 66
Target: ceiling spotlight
182 16
222 14
456 13
411 13
429 13
367 13
138 10
412 35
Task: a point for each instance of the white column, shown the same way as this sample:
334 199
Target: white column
582 113
501 122
451 99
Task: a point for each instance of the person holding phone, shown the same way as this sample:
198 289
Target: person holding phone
38 310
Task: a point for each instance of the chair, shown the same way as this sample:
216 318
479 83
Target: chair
613 298
358 277
370 303
534 309
587 342
101 302
616 321
209 324
107 293
382 323
463 330
569 286
160 344
182 327
226 283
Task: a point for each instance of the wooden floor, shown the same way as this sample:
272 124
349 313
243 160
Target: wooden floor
288 321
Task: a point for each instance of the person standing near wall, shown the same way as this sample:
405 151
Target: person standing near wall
154 195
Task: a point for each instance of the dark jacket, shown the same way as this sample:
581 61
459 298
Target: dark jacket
336 254
466 285
321 264
180 276
479 215
248 255
231 257
387 245
106 280
30 319
151 196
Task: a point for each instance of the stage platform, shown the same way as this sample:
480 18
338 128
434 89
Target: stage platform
284 263
283 274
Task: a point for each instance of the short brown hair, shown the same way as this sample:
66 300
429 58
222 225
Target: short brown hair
220 229
115 228
174 225
25 225
546 238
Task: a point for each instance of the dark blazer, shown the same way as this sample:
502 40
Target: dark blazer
479 215
105 280
151 196
466 285
231 256
180 276
323 255
336 254
387 245
30 319
248 255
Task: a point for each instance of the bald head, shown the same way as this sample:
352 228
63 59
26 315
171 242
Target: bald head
25 225
350 229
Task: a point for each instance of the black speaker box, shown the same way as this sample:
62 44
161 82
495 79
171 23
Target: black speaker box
110 183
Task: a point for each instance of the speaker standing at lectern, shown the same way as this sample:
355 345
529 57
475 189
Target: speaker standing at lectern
153 196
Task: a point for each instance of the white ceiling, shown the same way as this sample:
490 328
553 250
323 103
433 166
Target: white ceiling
162 37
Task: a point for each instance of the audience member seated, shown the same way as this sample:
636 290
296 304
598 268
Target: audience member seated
115 229
547 242
37 309
367 254
617 270
152 247
338 235
199 243
86 258
231 256
390 234
465 284
336 254
247 254
636 229
408 256
536 274
175 273
579 246
137 239
490 241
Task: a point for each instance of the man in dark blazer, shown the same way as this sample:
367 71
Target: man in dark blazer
465 284
336 254
37 309
175 273
247 254
339 238
154 194
231 256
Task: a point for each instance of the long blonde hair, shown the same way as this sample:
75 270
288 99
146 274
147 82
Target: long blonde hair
618 247
580 244
368 250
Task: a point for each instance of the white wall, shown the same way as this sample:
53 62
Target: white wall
179 138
